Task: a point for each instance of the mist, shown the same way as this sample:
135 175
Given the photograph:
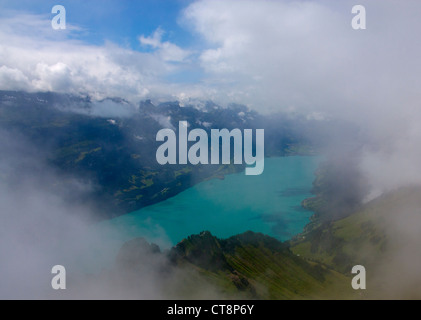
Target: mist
39 228
42 224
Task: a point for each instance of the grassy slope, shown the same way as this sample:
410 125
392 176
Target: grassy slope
360 239
257 266
277 276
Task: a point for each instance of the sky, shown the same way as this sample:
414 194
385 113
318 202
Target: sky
117 21
270 55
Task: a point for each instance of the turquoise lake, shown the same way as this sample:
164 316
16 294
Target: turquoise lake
269 203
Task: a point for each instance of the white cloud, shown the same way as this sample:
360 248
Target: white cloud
305 53
167 51
154 40
163 121
12 79
56 77
34 57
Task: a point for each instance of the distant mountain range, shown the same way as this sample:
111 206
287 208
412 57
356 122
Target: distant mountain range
111 144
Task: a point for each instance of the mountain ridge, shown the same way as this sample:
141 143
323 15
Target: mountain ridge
249 265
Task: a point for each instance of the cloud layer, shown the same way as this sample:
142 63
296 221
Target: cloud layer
269 55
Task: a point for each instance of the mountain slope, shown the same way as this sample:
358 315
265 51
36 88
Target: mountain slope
383 236
250 265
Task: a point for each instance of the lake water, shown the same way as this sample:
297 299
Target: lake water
269 203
